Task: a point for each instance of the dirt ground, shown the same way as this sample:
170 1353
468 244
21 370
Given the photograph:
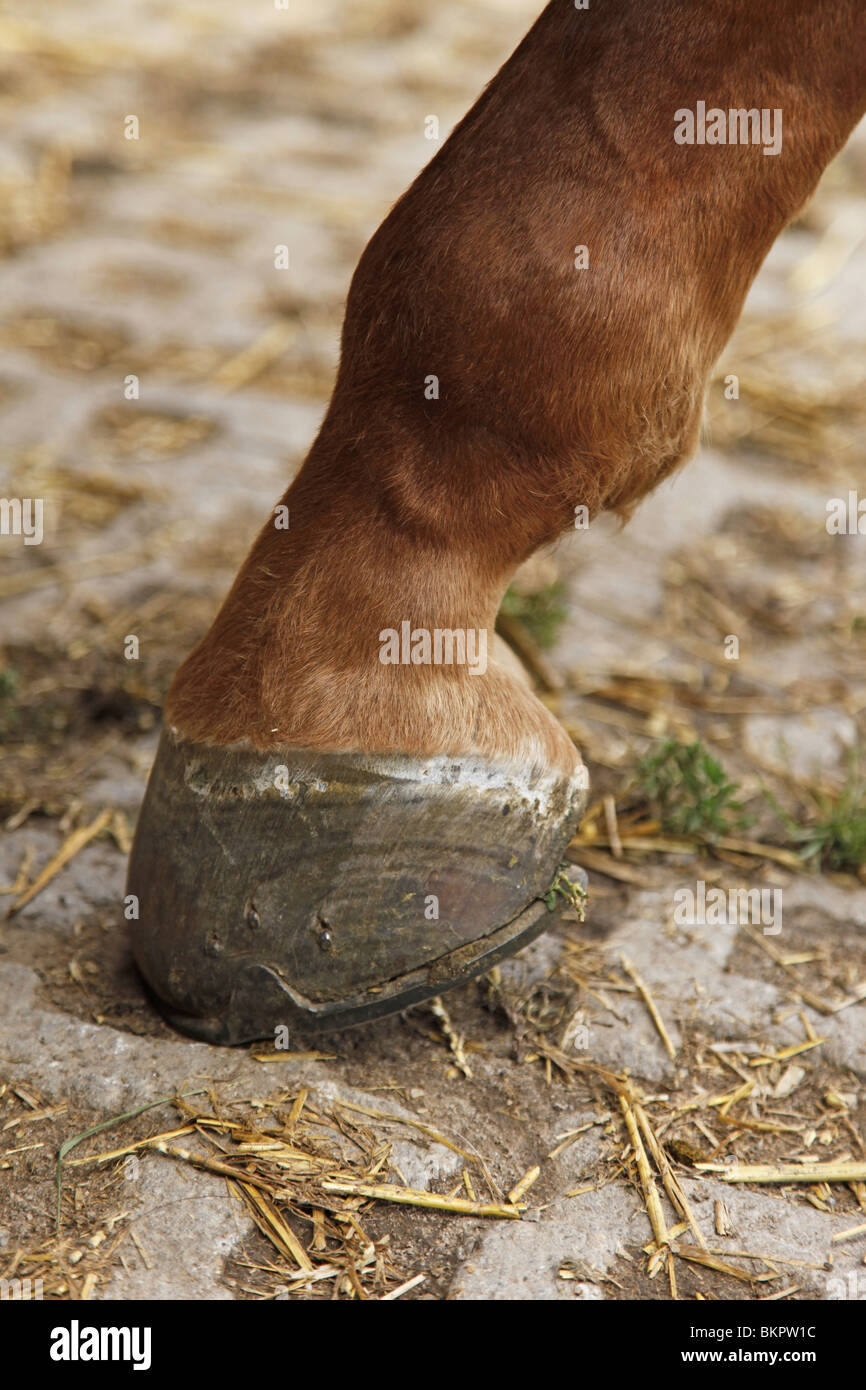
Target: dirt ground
153 258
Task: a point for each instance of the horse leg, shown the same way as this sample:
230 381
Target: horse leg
355 804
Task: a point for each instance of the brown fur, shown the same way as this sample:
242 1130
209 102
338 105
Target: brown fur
558 386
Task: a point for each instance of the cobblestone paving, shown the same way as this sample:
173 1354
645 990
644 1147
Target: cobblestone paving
154 259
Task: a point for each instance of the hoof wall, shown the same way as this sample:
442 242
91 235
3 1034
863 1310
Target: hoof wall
313 890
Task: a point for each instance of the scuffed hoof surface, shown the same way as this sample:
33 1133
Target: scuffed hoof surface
313 890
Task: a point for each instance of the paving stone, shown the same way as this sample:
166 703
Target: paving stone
520 1260
771 1225
186 1225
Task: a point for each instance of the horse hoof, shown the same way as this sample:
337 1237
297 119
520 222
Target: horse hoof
312 890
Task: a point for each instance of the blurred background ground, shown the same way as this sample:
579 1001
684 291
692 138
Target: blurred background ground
154 258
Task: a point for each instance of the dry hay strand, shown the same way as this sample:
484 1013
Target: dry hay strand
74 1267
307 1175
831 1171
811 997
652 1008
651 1155
67 851
74 1263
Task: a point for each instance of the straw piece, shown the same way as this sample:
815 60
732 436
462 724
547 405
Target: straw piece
385 1192
823 1006
319 1241
569 1138
603 864
148 1262
403 1288
765 1259
213 1165
456 1041
131 1148
76 841
522 1187
612 827
722 1218
786 1052
271 1223
651 1197
294 1056
850 1233
759 1126
788 1172
643 990
669 1178
297 1107
17 819
725 1100
780 856
710 1261
19 883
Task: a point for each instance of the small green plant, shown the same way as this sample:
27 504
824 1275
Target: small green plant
835 836
575 895
542 613
690 792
